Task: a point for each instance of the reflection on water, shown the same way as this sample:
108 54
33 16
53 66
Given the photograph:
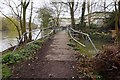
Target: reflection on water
8 39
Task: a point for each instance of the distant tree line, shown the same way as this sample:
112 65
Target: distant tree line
7 25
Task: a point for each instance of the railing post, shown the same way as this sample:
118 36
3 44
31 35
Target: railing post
38 34
22 38
92 43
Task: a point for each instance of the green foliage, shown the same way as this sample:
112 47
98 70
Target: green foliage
45 14
88 50
6 58
76 49
82 26
71 44
38 42
12 58
6 72
101 36
93 26
8 25
110 21
32 46
28 51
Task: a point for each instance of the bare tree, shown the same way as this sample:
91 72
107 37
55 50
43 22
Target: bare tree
30 19
82 15
117 22
8 3
58 9
24 5
88 8
19 10
71 5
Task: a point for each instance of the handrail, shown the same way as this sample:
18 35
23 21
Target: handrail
38 34
48 34
78 31
31 41
76 40
21 40
41 37
85 35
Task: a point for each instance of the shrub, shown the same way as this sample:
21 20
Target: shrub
6 58
102 37
32 47
6 72
11 58
107 63
28 51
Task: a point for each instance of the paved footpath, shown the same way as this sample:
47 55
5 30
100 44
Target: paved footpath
55 60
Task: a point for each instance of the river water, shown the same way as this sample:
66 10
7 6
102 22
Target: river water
8 39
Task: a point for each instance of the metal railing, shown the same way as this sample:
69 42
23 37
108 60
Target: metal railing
35 38
71 29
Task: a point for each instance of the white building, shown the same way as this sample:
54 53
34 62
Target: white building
97 18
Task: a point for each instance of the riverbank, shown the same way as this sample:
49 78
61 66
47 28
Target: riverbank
9 39
25 53
8 50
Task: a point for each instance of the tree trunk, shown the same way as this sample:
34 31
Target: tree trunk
30 29
25 5
117 16
19 34
20 18
82 16
21 26
104 22
89 19
72 14
119 23
57 21
24 23
72 19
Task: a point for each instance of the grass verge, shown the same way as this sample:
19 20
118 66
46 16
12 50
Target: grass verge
25 53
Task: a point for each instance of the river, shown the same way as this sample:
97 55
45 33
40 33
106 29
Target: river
8 39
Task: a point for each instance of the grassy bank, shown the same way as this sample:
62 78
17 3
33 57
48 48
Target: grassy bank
25 53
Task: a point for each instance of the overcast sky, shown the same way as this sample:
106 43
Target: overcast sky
40 3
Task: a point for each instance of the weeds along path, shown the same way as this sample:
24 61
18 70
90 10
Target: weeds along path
55 60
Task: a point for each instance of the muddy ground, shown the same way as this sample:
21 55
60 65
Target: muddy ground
55 60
